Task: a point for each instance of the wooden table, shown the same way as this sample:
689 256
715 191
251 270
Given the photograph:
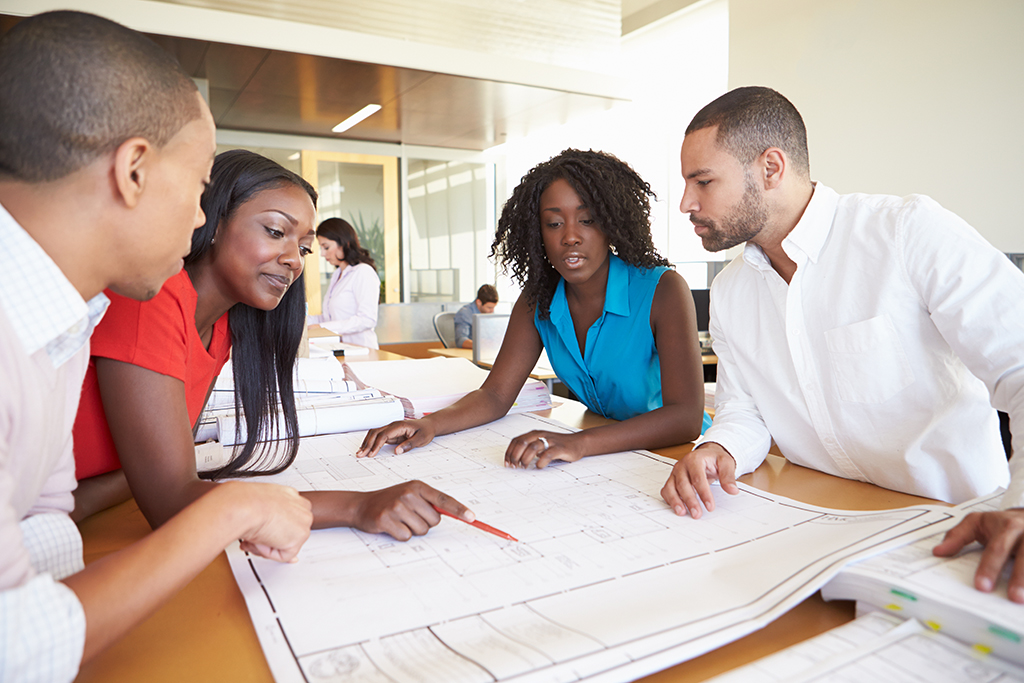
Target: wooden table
205 634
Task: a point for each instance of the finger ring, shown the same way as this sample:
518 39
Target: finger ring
545 441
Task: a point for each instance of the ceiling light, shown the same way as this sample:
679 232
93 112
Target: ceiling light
294 157
363 113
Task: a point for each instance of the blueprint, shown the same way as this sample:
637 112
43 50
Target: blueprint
605 583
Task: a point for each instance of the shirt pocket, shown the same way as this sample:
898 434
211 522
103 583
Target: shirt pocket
868 360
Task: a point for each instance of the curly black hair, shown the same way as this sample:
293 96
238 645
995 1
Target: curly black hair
618 199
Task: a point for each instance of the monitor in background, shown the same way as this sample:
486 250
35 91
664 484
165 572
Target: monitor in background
488 331
702 301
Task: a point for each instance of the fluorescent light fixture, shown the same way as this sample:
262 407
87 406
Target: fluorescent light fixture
363 113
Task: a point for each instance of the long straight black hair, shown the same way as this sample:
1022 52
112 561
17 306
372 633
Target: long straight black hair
264 343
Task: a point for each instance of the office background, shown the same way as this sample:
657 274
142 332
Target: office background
899 96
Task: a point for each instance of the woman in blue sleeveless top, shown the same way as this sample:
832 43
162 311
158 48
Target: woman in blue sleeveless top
618 325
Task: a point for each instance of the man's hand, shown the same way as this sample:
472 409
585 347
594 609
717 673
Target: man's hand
542 447
278 519
408 434
406 510
1002 534
690 481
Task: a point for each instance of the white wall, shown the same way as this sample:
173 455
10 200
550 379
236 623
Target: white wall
674 67
900 96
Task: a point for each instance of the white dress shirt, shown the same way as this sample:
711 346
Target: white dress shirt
44 350
350 307
878 360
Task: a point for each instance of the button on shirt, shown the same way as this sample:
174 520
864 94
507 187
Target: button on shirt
877 361
44 333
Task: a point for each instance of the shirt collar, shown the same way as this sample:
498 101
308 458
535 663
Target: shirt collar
616 294
812 229
45 309
810 233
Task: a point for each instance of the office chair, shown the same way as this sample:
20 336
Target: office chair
444 325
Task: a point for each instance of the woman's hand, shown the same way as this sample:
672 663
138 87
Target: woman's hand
542 447
408 434
405 510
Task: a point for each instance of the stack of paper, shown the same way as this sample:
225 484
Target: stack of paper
877 647
911 582
326 404
709 397
312 376
338 413
428 385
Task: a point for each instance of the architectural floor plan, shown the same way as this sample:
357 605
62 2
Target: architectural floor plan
605 583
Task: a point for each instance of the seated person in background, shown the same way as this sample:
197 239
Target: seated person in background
104 150
350 306
486 300
618 325
870 336
154 363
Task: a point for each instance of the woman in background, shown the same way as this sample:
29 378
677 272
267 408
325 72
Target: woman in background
350 307
618 324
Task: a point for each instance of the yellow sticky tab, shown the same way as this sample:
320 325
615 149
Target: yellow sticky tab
983 649
894 607
933 625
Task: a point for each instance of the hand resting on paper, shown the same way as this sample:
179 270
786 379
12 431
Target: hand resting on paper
405 510
408 434
542 447
689 485
1002 534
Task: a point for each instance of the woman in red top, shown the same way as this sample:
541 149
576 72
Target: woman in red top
153 363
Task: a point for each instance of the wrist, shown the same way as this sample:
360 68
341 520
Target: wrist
335 508
233 504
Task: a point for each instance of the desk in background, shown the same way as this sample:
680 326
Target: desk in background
204 633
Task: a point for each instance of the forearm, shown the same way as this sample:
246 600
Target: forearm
99 493
334 508
666 426
162 497
472 410
120 590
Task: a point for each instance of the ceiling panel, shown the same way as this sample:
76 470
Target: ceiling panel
284 92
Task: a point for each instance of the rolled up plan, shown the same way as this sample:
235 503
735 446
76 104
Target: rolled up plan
348 416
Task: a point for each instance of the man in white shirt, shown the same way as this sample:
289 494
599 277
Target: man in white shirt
870 336
105 148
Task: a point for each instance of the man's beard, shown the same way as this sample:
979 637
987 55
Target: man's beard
745 221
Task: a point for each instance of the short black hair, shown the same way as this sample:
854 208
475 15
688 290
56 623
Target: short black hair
618 199
752 119
74 86
487 294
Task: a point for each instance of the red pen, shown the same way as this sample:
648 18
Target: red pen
479 525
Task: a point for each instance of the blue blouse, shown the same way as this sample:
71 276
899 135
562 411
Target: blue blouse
619 375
